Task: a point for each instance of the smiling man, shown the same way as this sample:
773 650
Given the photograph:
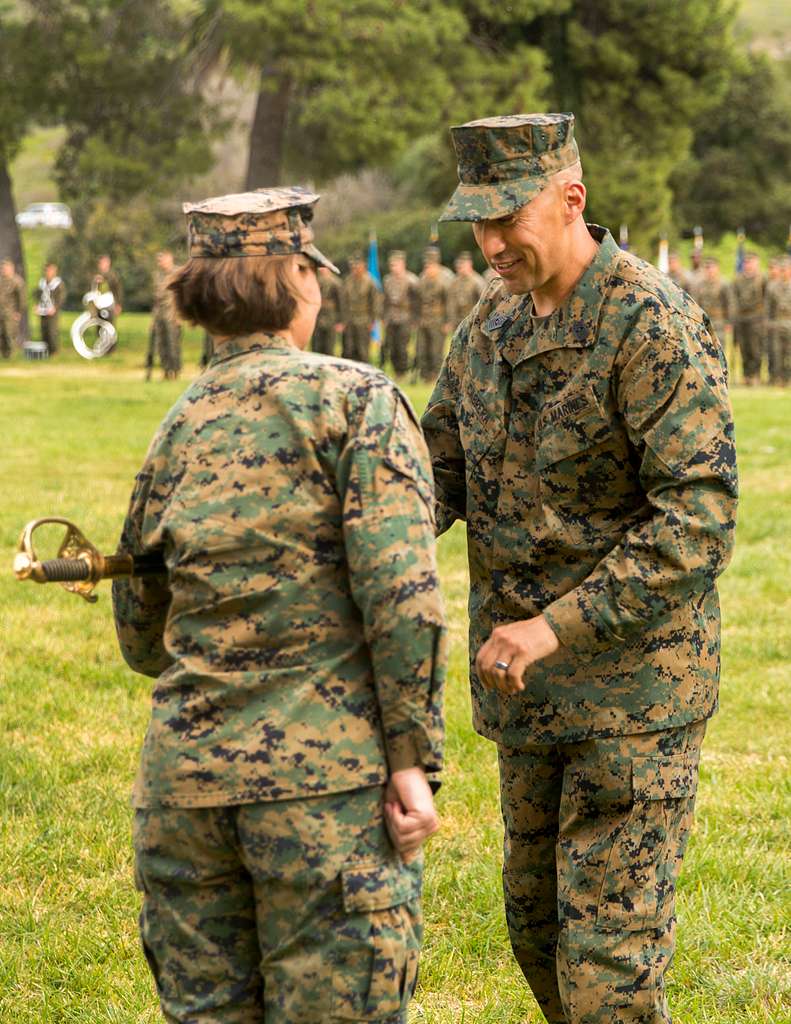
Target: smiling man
581 427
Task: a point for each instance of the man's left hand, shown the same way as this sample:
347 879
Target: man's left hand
517 646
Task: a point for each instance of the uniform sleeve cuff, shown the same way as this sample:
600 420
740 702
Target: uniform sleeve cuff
579 627
404 752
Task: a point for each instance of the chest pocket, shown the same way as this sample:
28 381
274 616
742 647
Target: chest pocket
569 428
479 431
582 464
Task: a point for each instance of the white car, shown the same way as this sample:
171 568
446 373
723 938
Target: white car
46 215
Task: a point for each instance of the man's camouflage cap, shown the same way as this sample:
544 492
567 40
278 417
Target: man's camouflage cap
267 222
504 162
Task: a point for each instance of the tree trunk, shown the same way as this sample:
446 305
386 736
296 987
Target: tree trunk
268 130
10 239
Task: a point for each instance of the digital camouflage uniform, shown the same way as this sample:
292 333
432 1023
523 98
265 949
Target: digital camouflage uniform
591 455
49 296
164 336
361 306
778 307
463 292
401 305
714 298
330 314
110 282
12 305
432 323
749 322
299 646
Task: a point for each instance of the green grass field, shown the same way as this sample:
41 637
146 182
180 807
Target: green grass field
72 718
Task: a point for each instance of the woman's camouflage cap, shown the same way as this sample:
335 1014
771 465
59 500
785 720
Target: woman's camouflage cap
504 162
267 222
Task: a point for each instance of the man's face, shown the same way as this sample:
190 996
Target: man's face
525 248
49 271
165 261
464 268
358 268
7 269
431 269
674 264
397 266
103 264
712 272
751 266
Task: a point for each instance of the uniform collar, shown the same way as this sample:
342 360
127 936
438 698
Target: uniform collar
572 325
248 343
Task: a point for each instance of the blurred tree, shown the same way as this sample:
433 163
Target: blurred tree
342 83
737 174
122 84
22 86
351 83
638 75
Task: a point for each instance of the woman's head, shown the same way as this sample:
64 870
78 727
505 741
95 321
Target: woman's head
233 296
252 264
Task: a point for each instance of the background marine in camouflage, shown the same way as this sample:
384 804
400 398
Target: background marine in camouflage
299 648
165 333
12 306
581 427
361 305
401 291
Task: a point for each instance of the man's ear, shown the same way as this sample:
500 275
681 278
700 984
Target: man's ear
574 200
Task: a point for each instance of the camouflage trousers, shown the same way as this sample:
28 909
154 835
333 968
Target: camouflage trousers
780 353
356 342
324 339
49 332
595 833
277 913
165 339
750 336
430 350
9 331
396 346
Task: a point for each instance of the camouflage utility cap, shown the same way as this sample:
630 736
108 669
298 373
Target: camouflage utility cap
504 162
268 222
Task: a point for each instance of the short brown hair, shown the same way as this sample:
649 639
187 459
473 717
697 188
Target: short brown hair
237 295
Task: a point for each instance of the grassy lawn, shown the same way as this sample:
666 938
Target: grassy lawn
72 718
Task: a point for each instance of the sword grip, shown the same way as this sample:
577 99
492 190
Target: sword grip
65 570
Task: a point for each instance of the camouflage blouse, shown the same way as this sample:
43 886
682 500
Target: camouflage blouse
591 454
299 638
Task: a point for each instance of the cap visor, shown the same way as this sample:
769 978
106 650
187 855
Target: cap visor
488 202
319 257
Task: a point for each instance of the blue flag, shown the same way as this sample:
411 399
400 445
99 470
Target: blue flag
740 250
373 270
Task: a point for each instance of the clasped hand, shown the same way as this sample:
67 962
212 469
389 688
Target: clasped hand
410 815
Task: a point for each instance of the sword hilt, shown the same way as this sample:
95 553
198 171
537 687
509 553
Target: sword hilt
79 566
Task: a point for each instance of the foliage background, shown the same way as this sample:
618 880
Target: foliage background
683 111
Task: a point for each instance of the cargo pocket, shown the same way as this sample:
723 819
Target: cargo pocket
639 883
378 945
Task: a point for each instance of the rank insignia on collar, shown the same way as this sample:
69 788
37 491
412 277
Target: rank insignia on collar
496 321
